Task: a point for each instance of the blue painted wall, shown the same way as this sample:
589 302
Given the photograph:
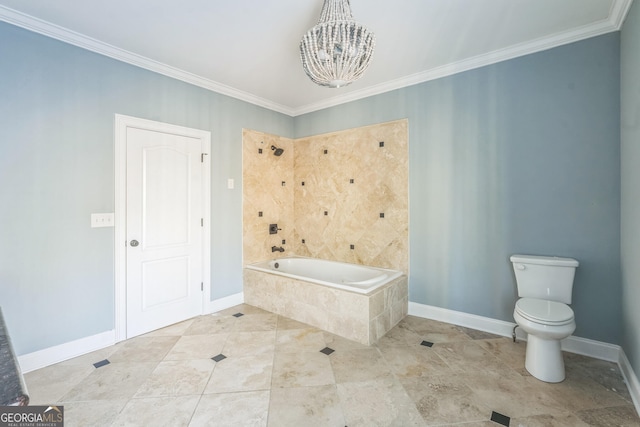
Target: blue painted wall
630 148
518 157
57 106
522 156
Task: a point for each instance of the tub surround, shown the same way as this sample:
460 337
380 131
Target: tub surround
267 196
341 196
363 318
353 206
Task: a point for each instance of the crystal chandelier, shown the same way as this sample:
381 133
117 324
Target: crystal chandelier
337 51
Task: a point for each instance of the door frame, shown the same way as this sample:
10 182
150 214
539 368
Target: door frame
122 123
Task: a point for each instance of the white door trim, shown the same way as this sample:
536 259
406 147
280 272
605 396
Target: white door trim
123 122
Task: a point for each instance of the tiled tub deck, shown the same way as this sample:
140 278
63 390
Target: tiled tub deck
363 318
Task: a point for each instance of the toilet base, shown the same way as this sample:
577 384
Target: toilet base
544 359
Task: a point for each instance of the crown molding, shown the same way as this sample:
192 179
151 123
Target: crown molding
618 13
57 32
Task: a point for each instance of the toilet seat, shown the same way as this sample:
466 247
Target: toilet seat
551 313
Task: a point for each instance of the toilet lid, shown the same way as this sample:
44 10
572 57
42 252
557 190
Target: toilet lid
542 311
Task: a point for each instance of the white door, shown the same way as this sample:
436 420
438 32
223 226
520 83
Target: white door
164 233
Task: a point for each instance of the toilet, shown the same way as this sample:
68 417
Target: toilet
545 285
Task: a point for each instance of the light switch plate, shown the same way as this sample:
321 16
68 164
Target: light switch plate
101 220
230 183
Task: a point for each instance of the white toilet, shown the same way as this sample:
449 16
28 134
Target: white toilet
544 290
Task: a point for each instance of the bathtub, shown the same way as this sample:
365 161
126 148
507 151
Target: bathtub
356 302
341 275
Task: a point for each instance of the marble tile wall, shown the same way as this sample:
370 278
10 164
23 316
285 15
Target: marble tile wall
353 206
267 190
344 198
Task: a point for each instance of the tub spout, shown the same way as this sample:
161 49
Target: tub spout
277 249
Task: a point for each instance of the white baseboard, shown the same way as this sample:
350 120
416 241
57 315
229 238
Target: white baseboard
631 379
596 349
586 347
52 355
226 302
49 356
573 344
480 323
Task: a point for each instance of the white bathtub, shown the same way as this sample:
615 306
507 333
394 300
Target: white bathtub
356 302
341 275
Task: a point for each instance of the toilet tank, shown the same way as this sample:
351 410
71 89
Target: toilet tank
543 277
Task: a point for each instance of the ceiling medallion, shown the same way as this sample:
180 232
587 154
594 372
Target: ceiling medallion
338 50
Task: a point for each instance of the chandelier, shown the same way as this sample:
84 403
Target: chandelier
337 51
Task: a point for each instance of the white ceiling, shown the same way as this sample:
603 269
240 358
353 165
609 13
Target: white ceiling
248 49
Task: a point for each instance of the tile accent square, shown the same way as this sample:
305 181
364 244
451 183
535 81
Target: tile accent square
238 315
426 344
101 363
497 417
327 350
219 357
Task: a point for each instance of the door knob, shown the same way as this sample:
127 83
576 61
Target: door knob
134 243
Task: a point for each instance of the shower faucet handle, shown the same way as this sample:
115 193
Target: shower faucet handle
273 229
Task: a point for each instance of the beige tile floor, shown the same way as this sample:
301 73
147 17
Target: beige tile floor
274 374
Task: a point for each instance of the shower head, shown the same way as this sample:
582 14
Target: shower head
277 151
